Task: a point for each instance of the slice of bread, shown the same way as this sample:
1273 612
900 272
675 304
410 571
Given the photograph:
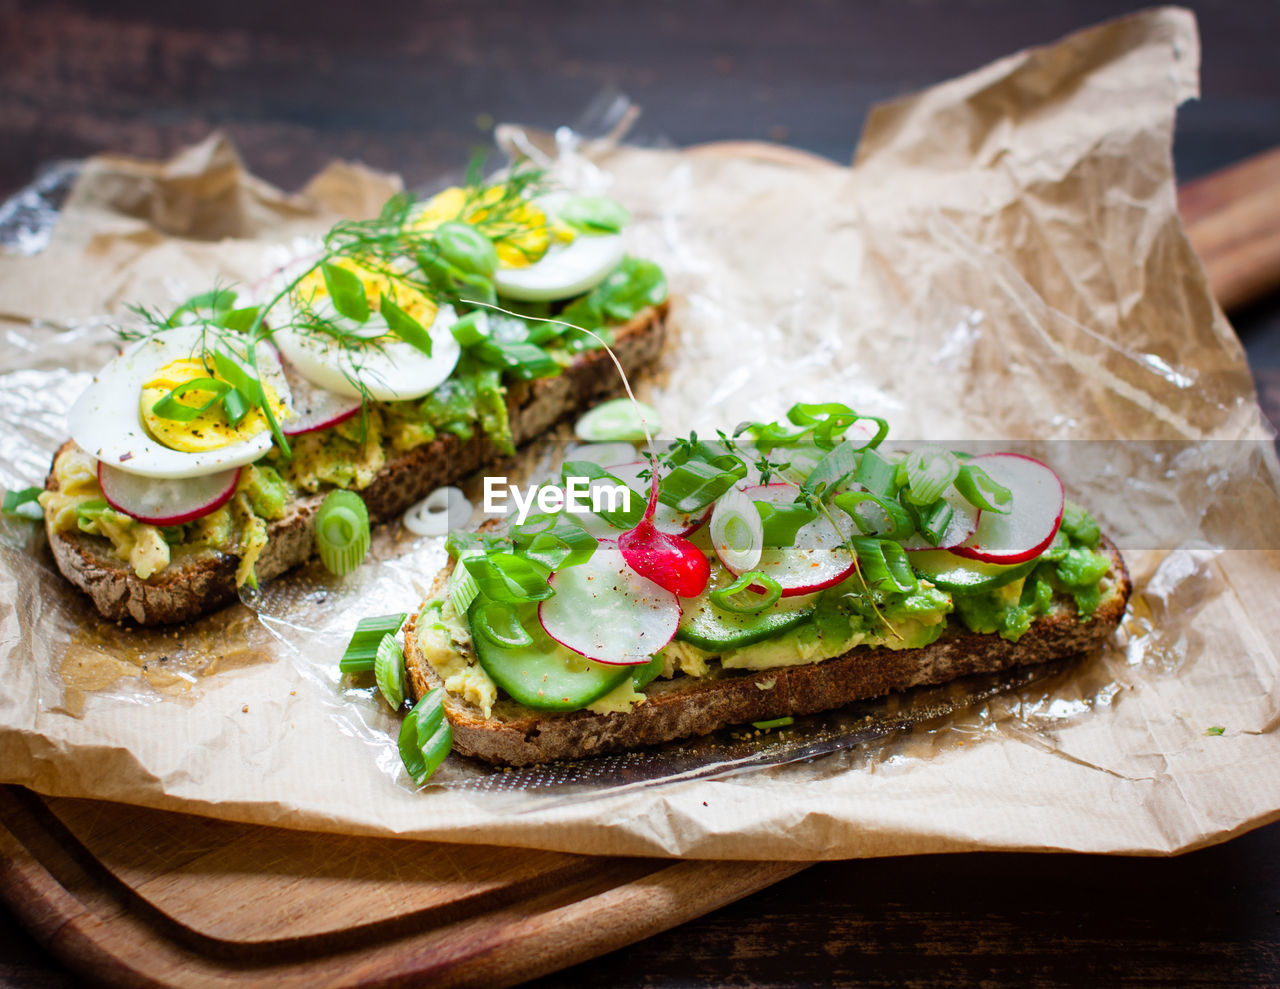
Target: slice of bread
201 582
685 706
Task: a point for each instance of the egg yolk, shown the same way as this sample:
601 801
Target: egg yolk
312 288
521 232
209 430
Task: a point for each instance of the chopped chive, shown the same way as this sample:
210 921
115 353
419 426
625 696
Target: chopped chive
775 723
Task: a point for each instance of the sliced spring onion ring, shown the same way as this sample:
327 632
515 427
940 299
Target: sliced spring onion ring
929 470
463 589
425 737
362 650
342 532
471 329
876 515
883 564
932 519
500 624
508 578
741 596
981 491
877 474
618 419
444 509
737 531
388 671
782 522
22 503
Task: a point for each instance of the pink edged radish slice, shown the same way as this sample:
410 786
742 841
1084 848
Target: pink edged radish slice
665 518
314 407
963 524
1026 531
604 610
817 560
157 501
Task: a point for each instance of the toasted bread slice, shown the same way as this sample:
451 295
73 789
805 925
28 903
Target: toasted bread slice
685 706
201 582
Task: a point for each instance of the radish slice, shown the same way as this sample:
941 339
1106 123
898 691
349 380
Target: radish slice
314 407
607 612
1026 531
817 559
963 524
166 502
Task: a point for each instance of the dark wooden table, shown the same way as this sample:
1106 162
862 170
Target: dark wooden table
412 87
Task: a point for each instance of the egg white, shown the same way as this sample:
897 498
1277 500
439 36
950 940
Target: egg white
387 371
106 421
565 270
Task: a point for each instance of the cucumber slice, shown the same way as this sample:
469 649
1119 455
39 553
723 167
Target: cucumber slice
544 674
642 676
955 573
707 626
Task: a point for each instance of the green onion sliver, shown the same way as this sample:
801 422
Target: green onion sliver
774 723
877 474
425 737
23 502
875 515
388 671
471 329
619 419
500 625
742 598
362 650
462 589
883 564
929 471
170 407
980 491
342 532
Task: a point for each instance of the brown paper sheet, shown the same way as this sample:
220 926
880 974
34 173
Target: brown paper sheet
1003 261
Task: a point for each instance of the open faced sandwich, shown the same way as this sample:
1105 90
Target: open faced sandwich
784 570
228 443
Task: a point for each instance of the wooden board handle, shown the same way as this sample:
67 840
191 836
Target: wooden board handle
1233 220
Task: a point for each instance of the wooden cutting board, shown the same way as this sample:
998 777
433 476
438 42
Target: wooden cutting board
149 898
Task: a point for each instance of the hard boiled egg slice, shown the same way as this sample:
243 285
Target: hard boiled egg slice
108 420
571 264
357 358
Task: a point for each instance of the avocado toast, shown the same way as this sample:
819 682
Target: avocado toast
845 572
403 353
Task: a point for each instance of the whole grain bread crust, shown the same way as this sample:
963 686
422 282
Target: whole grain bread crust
201 582
686 706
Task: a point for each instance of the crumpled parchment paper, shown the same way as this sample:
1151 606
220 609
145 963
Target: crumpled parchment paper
1003 261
